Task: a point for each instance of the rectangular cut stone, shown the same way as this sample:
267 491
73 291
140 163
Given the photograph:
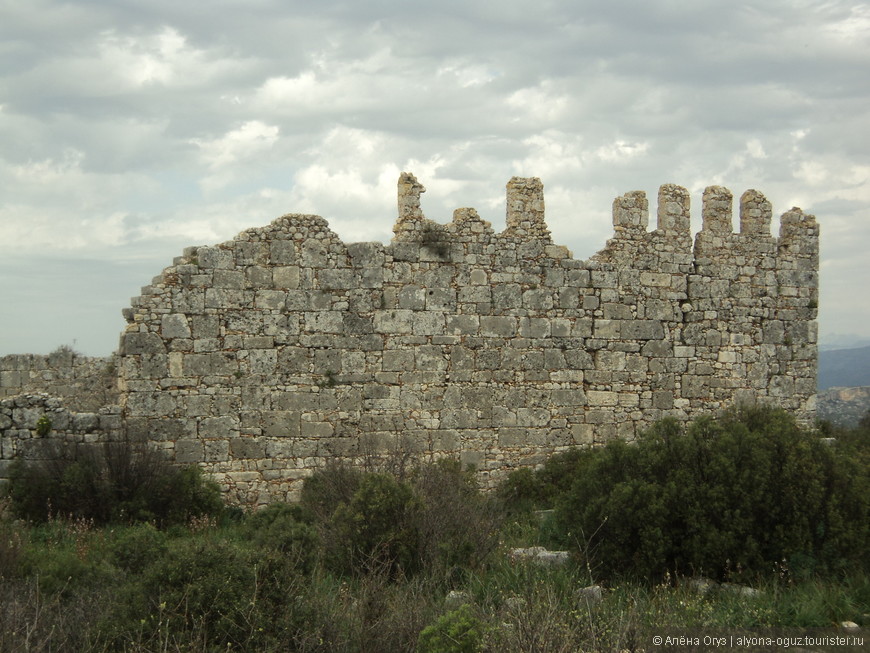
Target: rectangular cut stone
607 328
466 325
642 330
218 427
271 299
214 257
142 343
282 252
499 327
286 276
602 398
284 424
395 321
655 279
232 279
324 322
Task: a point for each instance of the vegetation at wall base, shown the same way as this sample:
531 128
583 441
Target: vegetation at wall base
729 497
312 577
117 482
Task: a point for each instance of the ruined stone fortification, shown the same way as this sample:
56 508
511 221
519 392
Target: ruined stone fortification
84 383
264 357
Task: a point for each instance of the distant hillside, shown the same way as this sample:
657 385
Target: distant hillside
844 368
843 406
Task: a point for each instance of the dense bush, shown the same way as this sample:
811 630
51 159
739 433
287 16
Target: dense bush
282 528
328 488
525 489
119 482
458 524
433 519
379 528
731 496
221 593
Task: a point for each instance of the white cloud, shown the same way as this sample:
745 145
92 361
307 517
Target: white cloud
248 140
226 156
620 151
543 103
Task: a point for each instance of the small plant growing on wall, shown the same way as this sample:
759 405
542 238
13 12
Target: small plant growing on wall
43 426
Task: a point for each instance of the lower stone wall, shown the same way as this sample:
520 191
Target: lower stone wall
22 416
85 383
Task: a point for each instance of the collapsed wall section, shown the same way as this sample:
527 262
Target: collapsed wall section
264 357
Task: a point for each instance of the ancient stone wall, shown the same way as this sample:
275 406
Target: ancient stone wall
264 357
84 383
32 424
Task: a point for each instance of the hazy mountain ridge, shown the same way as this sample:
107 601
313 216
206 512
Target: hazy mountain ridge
844 368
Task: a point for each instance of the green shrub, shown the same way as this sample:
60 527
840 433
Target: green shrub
136 547
524 489
379 528
221 593
458 525
729 497
282 528
458 631
329 487
119 482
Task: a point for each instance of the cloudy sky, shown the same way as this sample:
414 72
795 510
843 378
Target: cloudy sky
131 129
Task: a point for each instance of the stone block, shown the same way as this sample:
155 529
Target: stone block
602 398
282 252
366 255
316 429
336 279
398 361
189 452
393 321
216 450
642 330
533 416
248 448
216 363
231 279
224 298
412 298
324 322
281 424
133 343
498 326
218 427
262 361
427 323
270 299
463 325
258 277
214 257
609 329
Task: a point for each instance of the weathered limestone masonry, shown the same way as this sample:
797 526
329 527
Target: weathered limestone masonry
20 433
83 382
264 357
